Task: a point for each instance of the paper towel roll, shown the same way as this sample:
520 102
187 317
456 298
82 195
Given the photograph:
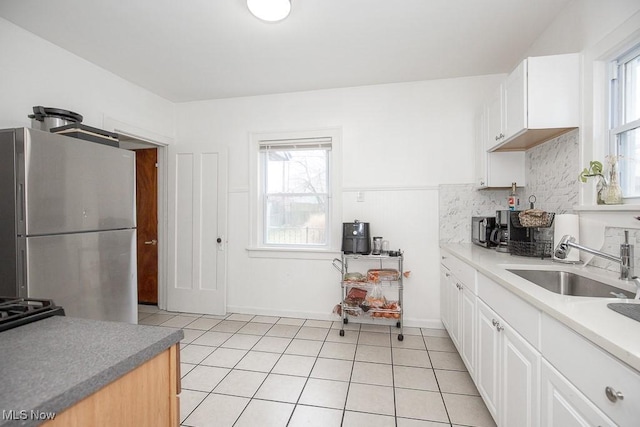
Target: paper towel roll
591 236
567 224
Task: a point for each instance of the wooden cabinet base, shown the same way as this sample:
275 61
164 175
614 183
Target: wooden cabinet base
146 396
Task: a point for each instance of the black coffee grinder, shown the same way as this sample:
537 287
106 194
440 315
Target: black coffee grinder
355 238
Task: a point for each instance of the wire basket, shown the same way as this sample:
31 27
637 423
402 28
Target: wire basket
539 249
522 220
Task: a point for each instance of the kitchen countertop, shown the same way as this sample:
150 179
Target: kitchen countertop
589 317
49 365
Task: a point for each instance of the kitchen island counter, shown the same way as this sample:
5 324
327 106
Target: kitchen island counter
50 365
587 316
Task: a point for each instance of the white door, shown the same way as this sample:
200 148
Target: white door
197 224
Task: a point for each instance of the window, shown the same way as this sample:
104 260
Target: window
295 188
625 120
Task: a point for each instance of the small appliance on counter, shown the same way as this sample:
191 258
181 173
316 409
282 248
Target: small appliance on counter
506 230
481 229
356 238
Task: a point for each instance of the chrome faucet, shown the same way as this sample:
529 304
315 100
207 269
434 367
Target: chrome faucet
625 259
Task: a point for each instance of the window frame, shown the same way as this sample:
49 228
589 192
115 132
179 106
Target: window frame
258 247
616 108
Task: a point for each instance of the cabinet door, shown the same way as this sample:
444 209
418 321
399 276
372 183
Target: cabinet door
562 405
488 366
494 120
515 101
467 340
445 312
454 310
520 366
480 150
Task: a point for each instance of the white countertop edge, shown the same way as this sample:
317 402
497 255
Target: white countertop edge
589 317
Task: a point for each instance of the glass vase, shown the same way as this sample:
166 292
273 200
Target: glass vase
613 192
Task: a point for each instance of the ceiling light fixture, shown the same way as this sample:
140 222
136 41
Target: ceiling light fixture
269 10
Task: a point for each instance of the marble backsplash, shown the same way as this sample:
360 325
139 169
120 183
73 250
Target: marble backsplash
552 172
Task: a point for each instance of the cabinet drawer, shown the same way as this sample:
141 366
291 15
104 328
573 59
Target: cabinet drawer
522 316
592 370
463 272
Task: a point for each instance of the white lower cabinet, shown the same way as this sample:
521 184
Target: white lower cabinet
532 370
562 405
458 306
445 311
468 320
507 371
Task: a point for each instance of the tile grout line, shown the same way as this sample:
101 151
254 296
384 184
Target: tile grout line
316 357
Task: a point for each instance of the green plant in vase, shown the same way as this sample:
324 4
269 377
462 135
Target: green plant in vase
595 169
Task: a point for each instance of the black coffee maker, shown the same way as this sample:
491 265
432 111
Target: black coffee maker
355 238
506 230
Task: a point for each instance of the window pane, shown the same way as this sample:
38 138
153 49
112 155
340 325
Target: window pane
629 149
296 171
631 90
296 220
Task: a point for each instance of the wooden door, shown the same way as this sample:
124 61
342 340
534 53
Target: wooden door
147 223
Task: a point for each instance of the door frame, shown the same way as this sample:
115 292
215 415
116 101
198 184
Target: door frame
161 142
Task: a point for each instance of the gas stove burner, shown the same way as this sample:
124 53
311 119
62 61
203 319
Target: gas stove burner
20 311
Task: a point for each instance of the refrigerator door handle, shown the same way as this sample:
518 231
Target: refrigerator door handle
22 268
21 206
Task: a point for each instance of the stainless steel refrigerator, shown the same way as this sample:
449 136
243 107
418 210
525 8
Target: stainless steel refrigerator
68 224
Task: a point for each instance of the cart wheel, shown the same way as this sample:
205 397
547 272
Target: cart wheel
345 321
400 337
341 332
398 324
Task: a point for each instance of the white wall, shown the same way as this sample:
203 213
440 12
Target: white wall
400 141
36 72
582 24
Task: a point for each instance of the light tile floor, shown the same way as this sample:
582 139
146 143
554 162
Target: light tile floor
244 370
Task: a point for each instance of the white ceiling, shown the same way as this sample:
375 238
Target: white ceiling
186 50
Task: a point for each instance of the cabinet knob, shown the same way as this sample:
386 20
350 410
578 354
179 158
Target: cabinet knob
494 322
481 182
613 395
499 328
447 274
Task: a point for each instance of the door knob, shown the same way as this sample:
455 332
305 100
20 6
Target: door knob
151 242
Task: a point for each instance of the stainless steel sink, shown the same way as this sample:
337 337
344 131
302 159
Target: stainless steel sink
566 283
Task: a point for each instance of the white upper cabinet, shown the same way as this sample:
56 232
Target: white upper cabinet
494 119
538 101
495 170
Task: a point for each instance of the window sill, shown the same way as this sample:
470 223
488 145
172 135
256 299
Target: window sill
286 253
607 208
615 216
